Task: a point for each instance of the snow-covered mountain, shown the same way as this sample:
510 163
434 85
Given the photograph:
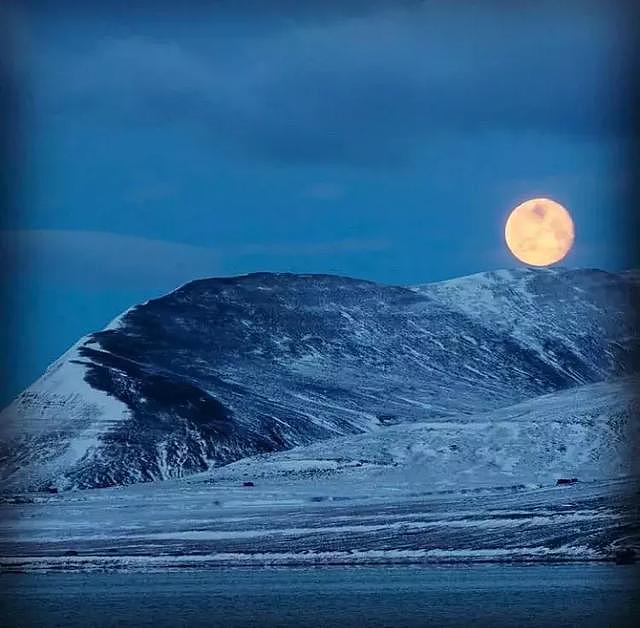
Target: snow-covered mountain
588 432
222 369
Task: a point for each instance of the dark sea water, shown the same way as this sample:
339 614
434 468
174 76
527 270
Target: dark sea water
489 595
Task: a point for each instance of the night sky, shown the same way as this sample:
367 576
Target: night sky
383 140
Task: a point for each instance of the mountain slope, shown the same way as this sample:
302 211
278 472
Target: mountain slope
588 432
221 369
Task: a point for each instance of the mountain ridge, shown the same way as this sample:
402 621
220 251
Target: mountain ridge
224 368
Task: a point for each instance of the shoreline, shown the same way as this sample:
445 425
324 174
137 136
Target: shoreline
209 562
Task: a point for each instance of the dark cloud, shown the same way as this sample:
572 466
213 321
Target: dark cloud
359 85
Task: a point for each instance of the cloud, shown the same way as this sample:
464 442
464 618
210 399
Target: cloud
365 88
95 259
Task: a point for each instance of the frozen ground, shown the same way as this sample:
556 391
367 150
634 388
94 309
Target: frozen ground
481 488
292 523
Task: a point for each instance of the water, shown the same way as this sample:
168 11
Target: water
489 595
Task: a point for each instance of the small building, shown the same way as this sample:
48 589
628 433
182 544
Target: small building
566 481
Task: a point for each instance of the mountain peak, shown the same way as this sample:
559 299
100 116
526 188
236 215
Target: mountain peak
225 368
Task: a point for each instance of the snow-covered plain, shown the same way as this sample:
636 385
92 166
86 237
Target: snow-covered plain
355 423
479 489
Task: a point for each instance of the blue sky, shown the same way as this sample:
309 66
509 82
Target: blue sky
384 140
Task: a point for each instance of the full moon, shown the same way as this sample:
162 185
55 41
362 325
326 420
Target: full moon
539 232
